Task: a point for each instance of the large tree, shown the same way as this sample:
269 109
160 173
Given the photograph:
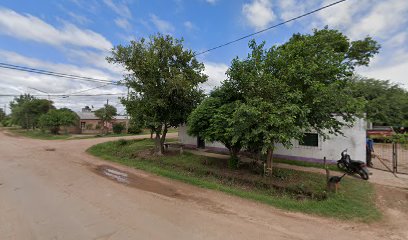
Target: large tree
57 118
26 109
293 88
164 78
386 103
106 115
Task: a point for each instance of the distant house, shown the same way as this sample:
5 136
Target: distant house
88 123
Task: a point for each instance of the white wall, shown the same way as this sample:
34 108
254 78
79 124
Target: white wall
354 140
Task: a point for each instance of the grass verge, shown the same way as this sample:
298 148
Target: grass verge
291 190
37 134
331 167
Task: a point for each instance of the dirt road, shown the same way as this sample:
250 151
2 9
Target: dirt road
53 190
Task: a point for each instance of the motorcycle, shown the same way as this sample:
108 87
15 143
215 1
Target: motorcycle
352 166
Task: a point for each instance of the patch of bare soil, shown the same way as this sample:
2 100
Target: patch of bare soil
394 204
150 185
394 198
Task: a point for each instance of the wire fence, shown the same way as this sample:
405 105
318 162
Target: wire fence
391 157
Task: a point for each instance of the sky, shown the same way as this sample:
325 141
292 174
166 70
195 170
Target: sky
75 36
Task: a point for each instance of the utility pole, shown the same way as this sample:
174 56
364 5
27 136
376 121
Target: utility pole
127 115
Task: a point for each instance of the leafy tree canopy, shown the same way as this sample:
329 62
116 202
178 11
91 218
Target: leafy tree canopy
26 110
286 90
106 114
164 78
386 103
57 118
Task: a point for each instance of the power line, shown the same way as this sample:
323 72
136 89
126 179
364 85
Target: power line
89 89
55 74
266 29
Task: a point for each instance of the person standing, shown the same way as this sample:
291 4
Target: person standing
369 151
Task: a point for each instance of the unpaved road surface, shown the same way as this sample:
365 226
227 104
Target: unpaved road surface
55 190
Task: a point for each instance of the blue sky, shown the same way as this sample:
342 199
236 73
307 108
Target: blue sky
74 36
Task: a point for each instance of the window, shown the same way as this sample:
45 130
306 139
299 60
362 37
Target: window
310 139
82 125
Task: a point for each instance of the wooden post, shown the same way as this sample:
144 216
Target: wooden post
331 186
327 169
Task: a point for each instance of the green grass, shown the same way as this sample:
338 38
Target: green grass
331 167
37 134
296 191
45 135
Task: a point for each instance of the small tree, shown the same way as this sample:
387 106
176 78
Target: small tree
165 78
106 115
55 119
26 110
118 128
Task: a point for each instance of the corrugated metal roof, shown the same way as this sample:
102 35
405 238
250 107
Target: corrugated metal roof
91 116
87 115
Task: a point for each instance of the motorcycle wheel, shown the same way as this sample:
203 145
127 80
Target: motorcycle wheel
363 172
341 166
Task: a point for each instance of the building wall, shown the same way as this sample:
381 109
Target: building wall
354 140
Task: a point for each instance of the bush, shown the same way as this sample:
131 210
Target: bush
118 128
135 127
89 126
7 122
122 142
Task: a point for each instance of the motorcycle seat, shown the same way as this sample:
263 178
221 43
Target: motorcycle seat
356 162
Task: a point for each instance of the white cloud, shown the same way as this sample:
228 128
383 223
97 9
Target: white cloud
162 25
28 27
123 23
189 25
119 8
259 13
397 73
215 73
17 82
211 1
79 18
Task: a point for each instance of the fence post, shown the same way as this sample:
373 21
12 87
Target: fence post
394 157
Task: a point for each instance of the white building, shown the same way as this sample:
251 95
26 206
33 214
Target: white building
313 148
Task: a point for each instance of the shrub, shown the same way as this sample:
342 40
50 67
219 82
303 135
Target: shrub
135 127
122 142
118 128
89 126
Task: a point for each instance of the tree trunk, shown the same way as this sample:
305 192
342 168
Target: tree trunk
234 160
151 133
269 161
163 138
157 146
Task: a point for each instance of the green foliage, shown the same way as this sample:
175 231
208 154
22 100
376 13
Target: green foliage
164 78
118 128
122 142
275 95
106 114
2 115
386 103
55 119
135 126
26 110
398 138
7 121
